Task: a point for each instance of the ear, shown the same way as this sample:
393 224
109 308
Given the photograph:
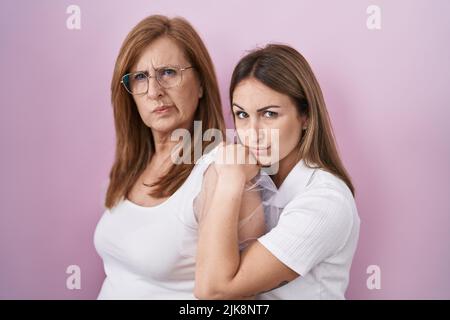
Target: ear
200 92
304 122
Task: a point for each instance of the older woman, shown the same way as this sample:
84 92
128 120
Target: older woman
163 81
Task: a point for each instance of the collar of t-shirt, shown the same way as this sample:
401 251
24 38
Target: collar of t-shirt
295 182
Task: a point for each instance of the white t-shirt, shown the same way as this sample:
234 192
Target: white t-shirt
316 234
149 252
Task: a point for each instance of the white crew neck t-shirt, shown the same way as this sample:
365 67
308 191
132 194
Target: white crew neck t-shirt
149 252
316 234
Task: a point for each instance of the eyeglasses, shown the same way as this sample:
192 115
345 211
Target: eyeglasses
167 77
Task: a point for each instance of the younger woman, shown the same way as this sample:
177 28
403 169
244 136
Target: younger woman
308 254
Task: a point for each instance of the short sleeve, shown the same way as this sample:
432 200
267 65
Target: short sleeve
312 227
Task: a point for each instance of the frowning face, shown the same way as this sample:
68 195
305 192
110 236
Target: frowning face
166 109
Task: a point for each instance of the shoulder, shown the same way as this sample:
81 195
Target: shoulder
209 155
326 198
324 182
203 173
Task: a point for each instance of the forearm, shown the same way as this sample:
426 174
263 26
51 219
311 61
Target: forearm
218 256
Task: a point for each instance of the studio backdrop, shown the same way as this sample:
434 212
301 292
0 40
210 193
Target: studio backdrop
385 73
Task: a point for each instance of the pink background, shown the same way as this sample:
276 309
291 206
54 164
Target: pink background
387 92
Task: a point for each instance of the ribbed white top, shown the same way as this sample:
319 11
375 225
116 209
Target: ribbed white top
316 234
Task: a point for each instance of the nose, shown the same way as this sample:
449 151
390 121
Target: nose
255 133
154 88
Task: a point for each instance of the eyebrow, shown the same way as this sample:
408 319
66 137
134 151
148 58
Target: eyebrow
139 71
260 109
161 66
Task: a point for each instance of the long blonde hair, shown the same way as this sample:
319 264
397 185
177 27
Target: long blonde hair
284 69
134 141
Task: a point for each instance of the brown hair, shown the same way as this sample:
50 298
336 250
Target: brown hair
134 141
285 70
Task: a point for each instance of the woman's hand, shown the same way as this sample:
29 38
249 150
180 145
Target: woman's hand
235 161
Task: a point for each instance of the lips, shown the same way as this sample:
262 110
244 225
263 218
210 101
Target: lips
260 151
162 109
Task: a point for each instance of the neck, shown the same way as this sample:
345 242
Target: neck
285 166
163 144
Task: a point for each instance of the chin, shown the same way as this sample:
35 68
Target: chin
266 161
166 125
